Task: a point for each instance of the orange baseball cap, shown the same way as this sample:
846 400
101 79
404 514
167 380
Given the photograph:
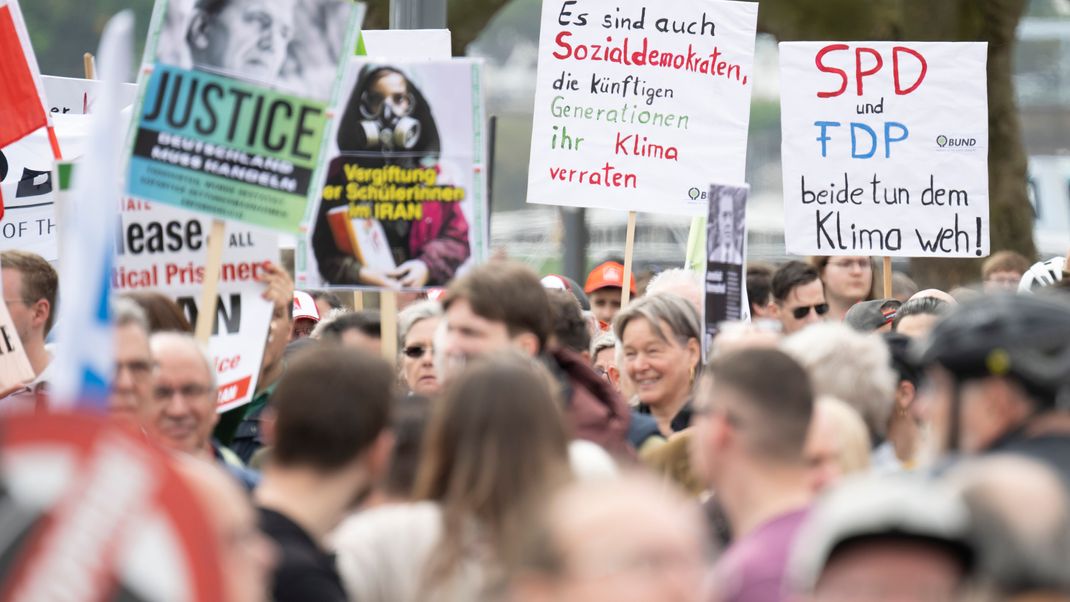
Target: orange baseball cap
606 275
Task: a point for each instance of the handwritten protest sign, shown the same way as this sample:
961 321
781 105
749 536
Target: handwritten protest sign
640 106
885 148
233 119
726 246
162 249
405 188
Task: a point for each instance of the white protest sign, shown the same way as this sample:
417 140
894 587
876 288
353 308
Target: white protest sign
640 106
163 249
885 148
73 96
398 44
15 367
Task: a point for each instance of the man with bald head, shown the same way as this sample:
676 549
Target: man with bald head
181 411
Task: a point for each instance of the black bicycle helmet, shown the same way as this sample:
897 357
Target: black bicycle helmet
1025 337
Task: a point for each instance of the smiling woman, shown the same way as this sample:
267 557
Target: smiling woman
660 337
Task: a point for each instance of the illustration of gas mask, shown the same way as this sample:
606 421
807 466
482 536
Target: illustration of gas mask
386 121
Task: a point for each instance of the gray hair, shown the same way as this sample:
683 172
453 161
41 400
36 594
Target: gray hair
417 312
604 340
668 280
679 314
126 312
326 321
160 341
849 365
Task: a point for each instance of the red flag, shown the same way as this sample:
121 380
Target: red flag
21 109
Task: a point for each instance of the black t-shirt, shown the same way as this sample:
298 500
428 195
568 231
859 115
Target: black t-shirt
304 572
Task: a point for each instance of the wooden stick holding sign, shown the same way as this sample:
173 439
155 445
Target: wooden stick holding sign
206 318
388 320
358 300
629 247
887 273
90 65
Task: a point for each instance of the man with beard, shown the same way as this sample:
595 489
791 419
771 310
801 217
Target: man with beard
328 453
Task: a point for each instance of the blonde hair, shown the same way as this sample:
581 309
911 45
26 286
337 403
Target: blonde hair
855 444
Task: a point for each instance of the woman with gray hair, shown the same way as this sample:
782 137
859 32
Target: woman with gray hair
416 331
660 336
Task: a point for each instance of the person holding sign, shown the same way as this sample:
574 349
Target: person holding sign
30 288
847 280
387 139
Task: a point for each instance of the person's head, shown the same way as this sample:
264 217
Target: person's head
494 307
250 555
883 538
877 315
916 317
30 284
909 377
838 443
623 540
994 364
760 291
332 413
306 315
496 444
798 296
248 38
417 324
660 335
182 412
1020 552
326 301
569 325
850 366
847 280
355 329
604 358
686 284
1002 271
603 287
162 312
752 410
131 388
387 113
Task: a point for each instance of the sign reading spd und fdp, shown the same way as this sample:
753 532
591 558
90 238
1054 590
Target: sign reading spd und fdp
885 148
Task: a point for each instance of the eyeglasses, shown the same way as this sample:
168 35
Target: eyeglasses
417 351
189 391
862 264
802 312
138 368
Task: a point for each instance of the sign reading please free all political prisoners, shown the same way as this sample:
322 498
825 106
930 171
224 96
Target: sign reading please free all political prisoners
885 148
640 106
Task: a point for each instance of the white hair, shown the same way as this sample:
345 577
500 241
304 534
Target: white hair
849 365
163 341
332 315
680 282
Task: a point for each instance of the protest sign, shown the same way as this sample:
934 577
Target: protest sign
232 119
639 106
73 96
885 148
405 188
405 44
91 509
15 369
162 249
726 248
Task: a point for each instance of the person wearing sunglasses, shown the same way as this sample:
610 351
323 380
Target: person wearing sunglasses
799 296
417 324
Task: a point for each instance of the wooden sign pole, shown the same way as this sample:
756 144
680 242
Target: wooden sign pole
206 318
358 301
887 273
90 65
388 319
629 246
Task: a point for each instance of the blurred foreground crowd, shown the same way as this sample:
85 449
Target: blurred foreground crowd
536 440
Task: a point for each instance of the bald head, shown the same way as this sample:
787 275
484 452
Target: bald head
619 540
181 412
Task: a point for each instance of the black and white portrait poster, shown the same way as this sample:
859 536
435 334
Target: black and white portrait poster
726 248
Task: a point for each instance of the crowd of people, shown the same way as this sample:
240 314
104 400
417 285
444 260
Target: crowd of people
536 440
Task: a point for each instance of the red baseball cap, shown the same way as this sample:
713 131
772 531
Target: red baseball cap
606 275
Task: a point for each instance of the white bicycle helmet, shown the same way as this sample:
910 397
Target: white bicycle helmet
1042 274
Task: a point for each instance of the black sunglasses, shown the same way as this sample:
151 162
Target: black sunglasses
416 351
802 312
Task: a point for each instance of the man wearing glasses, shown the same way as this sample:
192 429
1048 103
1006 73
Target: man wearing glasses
131 388
29 286
799 296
